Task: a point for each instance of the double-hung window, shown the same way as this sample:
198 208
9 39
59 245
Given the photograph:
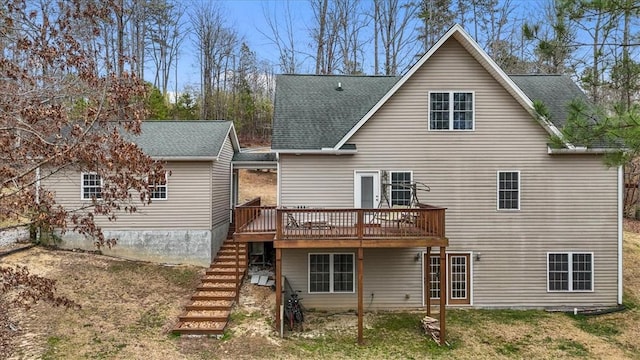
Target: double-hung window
570 271
91 186
508 190
158 186
400 188
331 273
451 110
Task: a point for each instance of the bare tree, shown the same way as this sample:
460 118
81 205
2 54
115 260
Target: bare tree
215 44
396 34
284 40
351 21
320 10
166 33
437 17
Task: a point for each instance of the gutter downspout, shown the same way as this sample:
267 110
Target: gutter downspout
620 231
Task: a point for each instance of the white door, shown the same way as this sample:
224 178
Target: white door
367 191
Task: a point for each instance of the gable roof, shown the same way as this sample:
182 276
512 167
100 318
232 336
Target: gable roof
458 33
310 114
316 111
185 139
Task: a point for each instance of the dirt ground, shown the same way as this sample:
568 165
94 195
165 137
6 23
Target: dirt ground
254 183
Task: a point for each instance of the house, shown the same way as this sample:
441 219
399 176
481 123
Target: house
189 215
510 222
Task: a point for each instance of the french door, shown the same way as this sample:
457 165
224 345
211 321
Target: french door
458 277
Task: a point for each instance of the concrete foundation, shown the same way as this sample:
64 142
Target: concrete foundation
193 247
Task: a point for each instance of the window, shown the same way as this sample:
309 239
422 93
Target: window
434 280
331 273
508 190
91 186
400 188
451 111
158 187
570 271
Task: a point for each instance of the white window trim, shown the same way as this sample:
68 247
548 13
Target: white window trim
498 189
570 271
451 92
389 192
82 174
166 185
331 290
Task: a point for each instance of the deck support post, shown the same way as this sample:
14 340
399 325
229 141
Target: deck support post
427 280
278 286
360 295
237 271
443 293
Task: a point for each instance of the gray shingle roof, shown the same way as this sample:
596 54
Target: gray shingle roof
311 113
254 156
182 138
554 91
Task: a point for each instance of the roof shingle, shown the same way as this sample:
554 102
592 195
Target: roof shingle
182 138
313 112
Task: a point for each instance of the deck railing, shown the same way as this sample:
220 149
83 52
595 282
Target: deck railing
307 223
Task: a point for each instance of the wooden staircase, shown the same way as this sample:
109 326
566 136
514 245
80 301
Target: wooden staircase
208 313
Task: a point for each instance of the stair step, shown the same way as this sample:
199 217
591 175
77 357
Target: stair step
200 328
205 316
227 264
216 287
211 307
219 278
213 295
228 257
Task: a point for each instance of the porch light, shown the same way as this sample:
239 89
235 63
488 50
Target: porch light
478 255
417 257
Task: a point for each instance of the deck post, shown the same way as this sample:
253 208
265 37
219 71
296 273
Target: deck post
360 294
443 293
427 280
278 286
237 271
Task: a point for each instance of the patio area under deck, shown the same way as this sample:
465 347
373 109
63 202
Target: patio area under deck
290 228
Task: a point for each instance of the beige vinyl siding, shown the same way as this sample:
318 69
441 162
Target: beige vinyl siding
568 202
221 184
188 204
380 278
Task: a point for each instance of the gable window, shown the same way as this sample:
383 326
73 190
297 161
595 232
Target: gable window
91 186
400 188
331 273
570 271
451 111
158 187
508 190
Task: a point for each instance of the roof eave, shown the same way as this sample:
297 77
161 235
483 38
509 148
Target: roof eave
580 150
255 164
326 151
185 158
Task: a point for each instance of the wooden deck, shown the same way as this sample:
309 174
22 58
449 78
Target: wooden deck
345 228
296 228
